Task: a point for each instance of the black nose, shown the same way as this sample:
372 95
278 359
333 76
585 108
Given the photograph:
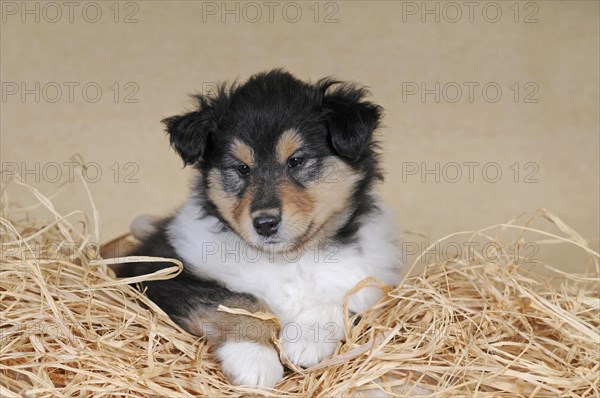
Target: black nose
266 225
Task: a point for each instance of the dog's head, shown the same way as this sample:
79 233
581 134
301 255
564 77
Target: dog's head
283 163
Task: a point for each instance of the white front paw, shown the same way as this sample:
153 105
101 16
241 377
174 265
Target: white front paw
250 364
312 337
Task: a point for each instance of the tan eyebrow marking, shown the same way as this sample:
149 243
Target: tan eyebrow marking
288 143
243 152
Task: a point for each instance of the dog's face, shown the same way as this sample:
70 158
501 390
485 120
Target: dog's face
283 163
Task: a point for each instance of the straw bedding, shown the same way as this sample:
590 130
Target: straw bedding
465 326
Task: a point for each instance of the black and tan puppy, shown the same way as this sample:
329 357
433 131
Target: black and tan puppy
282 218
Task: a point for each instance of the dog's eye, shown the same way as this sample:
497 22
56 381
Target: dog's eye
295 161
243 169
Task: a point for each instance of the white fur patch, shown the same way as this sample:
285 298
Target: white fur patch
250 364
143 226
313 334
305 292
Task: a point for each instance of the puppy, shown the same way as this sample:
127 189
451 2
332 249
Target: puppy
282 218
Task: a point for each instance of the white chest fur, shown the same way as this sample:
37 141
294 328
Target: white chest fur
290 284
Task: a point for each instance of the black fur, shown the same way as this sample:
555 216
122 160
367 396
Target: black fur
332 117
179 296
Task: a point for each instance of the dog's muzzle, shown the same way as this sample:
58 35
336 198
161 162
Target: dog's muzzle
266 225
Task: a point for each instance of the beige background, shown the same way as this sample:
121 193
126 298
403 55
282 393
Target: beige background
175 48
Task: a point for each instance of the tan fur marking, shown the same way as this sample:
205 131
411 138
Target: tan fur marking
236 212
219 327
243 152
288 143
242 208
331 195
316 213
294 197
224 201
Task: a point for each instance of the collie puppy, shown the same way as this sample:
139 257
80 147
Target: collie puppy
282 218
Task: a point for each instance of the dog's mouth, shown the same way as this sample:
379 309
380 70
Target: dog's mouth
284 241
272 242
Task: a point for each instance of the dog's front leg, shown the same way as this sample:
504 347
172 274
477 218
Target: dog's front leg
313 334
242 343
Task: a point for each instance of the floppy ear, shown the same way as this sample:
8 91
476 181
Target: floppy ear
350 120
188 133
